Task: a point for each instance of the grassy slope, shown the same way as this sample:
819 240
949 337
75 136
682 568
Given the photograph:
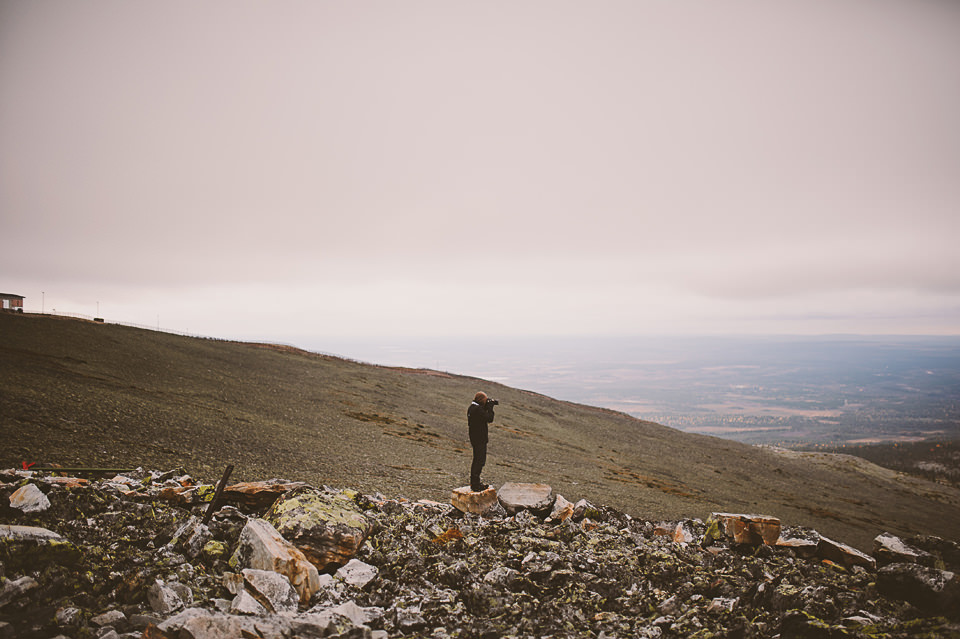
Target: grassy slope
78 393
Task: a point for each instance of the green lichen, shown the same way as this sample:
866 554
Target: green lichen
333 510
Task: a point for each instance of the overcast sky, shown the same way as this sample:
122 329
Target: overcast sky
278 170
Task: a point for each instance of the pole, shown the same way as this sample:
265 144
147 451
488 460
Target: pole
216 495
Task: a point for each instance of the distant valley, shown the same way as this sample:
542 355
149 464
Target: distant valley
785 391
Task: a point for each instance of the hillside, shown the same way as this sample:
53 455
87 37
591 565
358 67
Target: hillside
78 393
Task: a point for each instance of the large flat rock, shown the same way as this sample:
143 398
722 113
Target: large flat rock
515 497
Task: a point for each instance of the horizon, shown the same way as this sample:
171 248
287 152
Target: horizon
318 168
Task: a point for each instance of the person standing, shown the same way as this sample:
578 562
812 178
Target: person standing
479 415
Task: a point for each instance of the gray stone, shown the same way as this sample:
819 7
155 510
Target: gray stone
357 573
191 537
68 617
163 599
110 618
246 604
890 549
15 588
272 590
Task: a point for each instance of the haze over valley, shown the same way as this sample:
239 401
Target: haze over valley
788 391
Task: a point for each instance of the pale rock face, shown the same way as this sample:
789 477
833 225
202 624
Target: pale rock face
477 503
29 499
263 548
328 528
356 573
515 497
890 549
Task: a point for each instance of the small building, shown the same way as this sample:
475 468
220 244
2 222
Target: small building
11 302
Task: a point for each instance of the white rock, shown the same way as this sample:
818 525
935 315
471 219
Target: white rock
29 499
357 573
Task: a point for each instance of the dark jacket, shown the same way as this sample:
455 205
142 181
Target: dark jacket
477 419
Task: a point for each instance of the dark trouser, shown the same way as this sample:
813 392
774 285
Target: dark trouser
479 459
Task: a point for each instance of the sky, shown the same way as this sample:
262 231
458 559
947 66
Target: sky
293 171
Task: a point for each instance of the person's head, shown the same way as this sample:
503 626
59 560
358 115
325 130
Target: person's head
480 398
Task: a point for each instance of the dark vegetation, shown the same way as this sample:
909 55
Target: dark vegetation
934 460
79 393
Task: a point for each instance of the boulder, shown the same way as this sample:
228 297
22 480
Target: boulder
890 549
537 498
328 527
752 530
263 548
843 554
258 495
466 500
29 499
30 547
930 589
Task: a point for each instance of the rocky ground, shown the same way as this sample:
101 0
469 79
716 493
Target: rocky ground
131 556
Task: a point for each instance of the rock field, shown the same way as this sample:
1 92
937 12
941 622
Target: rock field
144 555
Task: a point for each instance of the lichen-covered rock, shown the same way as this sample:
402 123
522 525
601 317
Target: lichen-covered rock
31 547
328 527
443 573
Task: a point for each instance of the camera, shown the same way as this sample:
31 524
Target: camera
492 402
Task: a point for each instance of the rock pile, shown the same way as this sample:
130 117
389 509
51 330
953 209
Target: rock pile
131 557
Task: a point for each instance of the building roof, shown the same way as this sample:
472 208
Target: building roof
11 295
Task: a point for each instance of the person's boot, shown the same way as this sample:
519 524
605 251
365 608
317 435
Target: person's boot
476 485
